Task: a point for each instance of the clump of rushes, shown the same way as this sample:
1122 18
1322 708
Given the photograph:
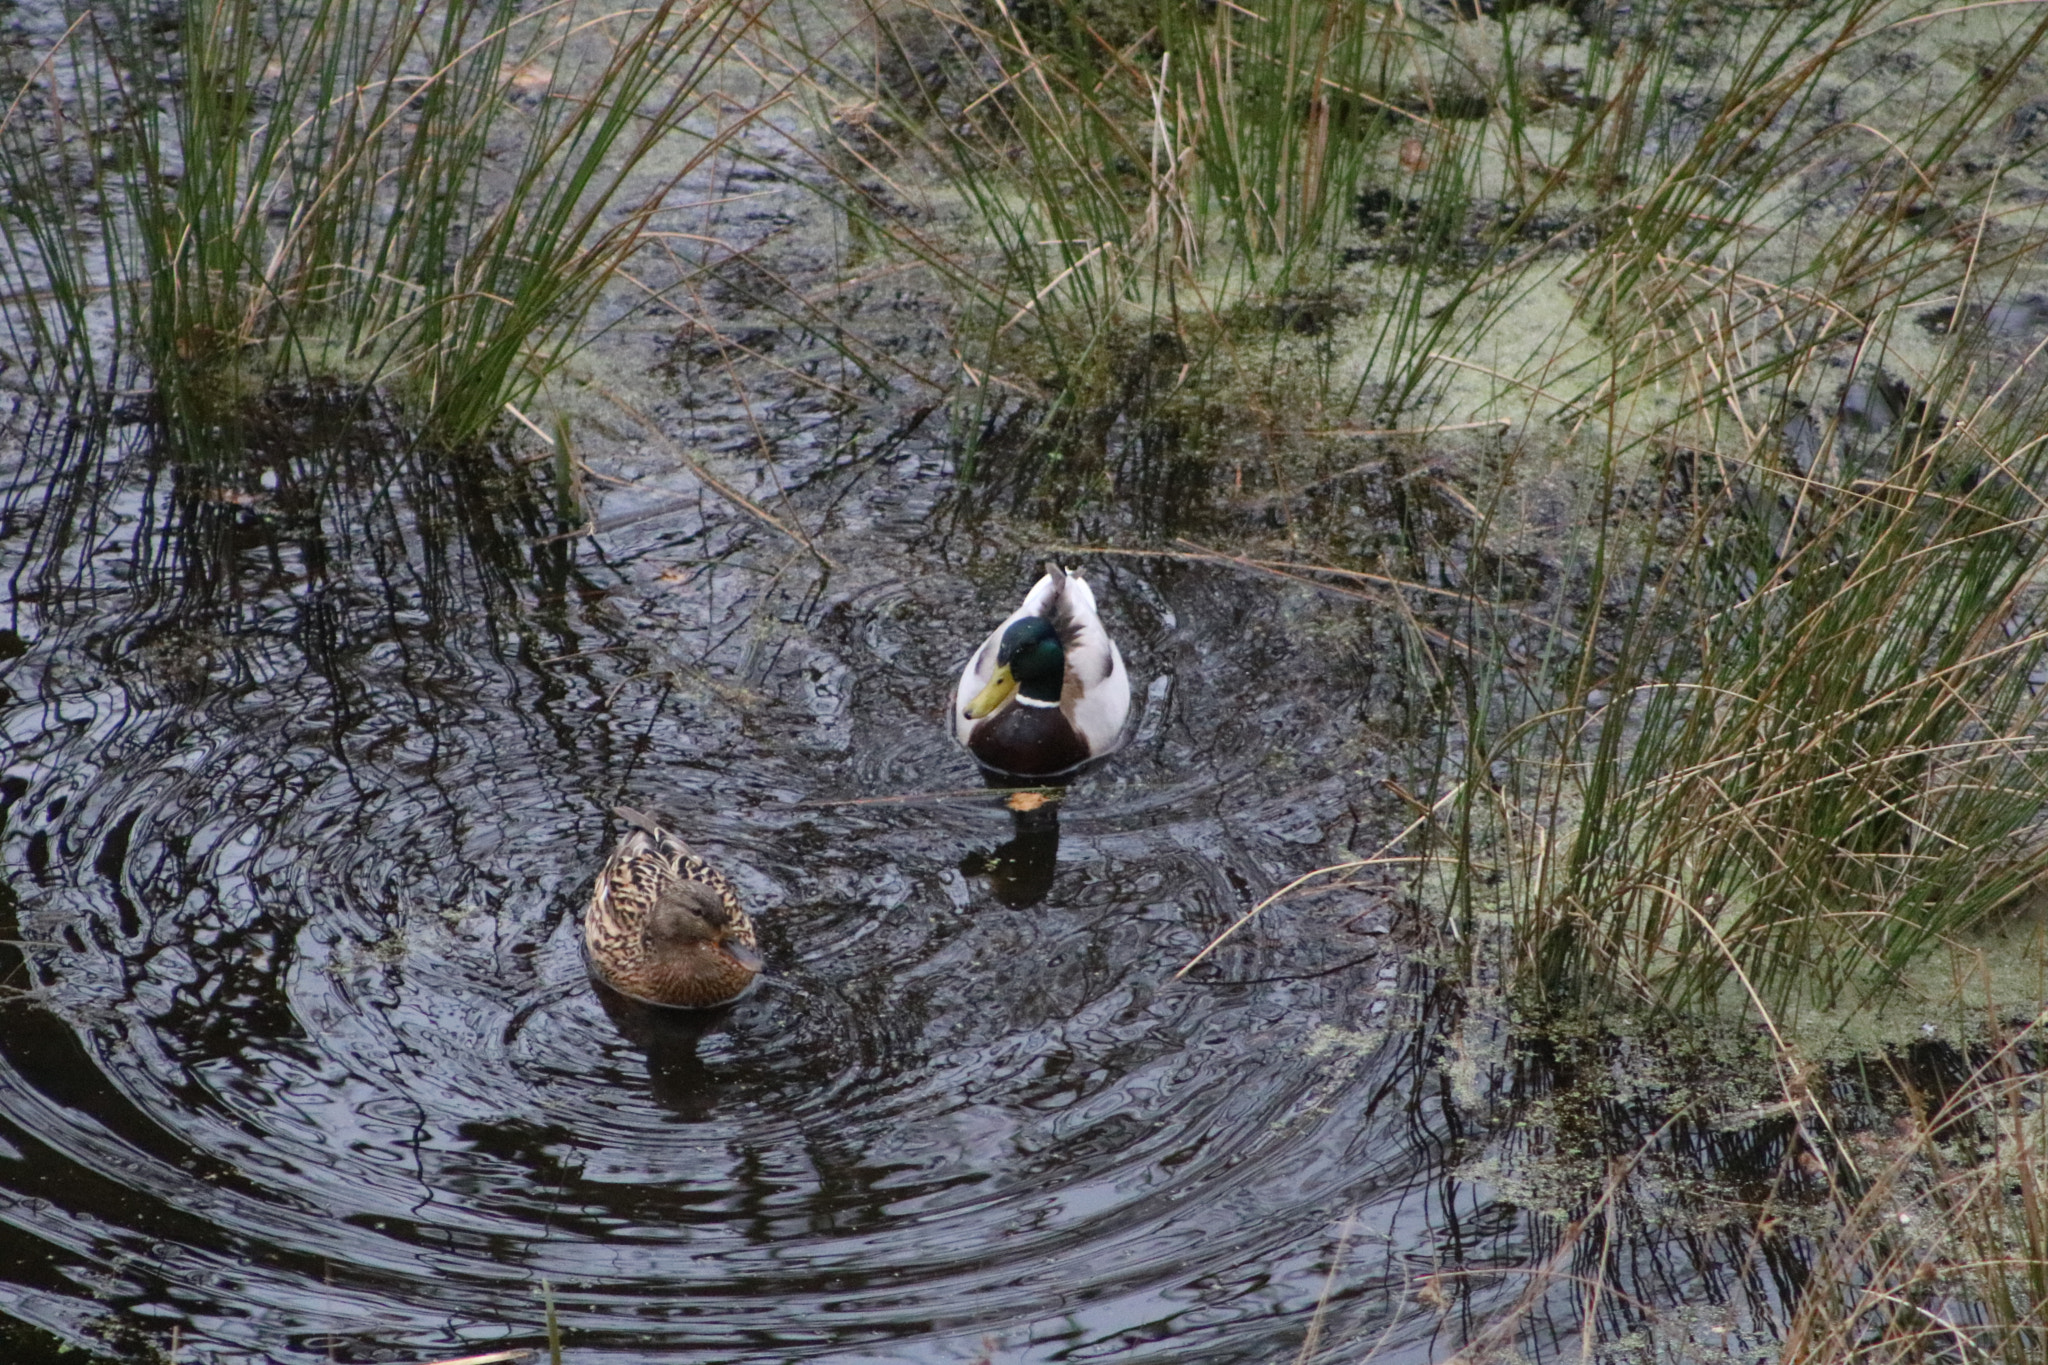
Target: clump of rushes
1782 733
1129 167
1109 171
429 197
1803 754
1941 1249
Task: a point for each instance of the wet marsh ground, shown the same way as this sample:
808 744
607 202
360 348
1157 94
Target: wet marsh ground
310 749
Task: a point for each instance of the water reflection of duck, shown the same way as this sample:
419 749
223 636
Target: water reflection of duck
664 927
1021 871
1047 690
677 1077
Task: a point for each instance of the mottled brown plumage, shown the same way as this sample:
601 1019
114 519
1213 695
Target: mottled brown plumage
664 927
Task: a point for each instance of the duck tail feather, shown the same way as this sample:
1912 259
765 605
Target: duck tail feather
637 819
1073 612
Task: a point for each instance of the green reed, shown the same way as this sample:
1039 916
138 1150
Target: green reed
1086 177
422 196
1784 734
1108 177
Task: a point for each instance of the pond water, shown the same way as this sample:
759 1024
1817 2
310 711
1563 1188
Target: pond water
309 761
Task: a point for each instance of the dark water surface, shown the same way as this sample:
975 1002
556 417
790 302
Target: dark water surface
308 765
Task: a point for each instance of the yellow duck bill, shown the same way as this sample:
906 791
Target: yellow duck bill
995 694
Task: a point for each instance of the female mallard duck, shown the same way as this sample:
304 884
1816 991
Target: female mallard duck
1047 690
664 927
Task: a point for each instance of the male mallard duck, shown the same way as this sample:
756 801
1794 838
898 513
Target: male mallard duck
1047 690
664 927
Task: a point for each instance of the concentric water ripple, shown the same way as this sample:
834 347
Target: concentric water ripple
314 1071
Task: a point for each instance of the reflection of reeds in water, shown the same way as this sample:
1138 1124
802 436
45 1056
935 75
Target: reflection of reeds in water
325 486
1941 1251
423 194
1881 1212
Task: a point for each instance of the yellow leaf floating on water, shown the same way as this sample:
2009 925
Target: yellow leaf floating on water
1023 801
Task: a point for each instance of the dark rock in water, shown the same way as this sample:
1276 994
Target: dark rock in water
1802 439
912 46
2012 319
1308 315
1378 209
2026 123
2006 320
1873 404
